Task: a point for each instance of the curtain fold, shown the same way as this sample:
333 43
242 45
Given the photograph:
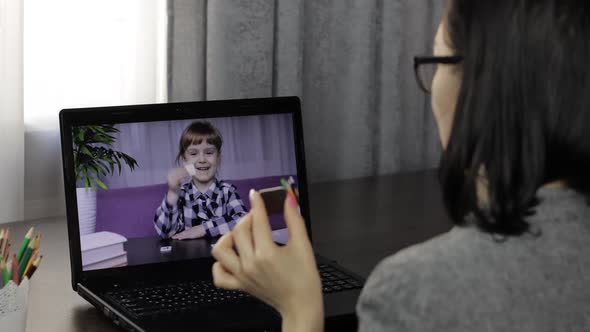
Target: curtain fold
186 36
349 61
11 111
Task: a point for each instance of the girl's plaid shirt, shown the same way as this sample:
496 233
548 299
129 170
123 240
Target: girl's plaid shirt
218 210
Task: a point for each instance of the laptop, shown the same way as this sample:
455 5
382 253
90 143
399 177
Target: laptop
121 219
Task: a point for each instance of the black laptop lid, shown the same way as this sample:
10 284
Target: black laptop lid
117 162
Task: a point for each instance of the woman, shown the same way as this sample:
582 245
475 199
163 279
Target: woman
511 100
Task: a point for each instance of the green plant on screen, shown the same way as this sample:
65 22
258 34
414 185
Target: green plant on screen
94 156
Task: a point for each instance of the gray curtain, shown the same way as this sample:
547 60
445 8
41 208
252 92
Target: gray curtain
350 62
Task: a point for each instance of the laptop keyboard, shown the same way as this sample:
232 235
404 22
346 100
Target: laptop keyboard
334 280
175 298
193 295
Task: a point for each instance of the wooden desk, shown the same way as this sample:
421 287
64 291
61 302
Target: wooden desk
356 222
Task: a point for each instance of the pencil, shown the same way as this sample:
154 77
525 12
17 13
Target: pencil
1 273
38 244
34 267
7 253
24 244
26 256
7 237
1 241
6 244
29 263
288 189
294 186
5 275
14 269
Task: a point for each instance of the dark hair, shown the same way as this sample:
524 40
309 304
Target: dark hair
195 133
523 112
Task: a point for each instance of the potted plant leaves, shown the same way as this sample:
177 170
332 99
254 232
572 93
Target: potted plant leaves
94 158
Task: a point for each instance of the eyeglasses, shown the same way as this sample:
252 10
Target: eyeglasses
425 68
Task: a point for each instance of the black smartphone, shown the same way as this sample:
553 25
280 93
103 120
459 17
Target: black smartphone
273 198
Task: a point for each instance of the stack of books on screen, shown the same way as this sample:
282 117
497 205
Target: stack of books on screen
102 250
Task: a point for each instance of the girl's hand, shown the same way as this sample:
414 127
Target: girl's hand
175 177
283 277
194 232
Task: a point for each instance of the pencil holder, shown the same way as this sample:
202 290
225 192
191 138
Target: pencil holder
13 306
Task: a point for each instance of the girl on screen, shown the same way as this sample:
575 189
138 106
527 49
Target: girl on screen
203 206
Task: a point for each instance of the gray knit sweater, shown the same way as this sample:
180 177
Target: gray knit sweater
463 280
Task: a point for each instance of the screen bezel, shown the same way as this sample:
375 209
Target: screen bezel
68 118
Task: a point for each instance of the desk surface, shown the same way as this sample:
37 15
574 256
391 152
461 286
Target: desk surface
146 250
356 222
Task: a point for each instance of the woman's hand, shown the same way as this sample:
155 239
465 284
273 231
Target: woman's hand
284 277
194 232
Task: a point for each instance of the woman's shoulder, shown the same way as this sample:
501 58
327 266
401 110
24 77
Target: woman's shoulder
464 252
560 217
405 287
430 285
457 277
450 248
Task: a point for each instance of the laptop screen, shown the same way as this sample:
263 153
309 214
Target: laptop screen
151 192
